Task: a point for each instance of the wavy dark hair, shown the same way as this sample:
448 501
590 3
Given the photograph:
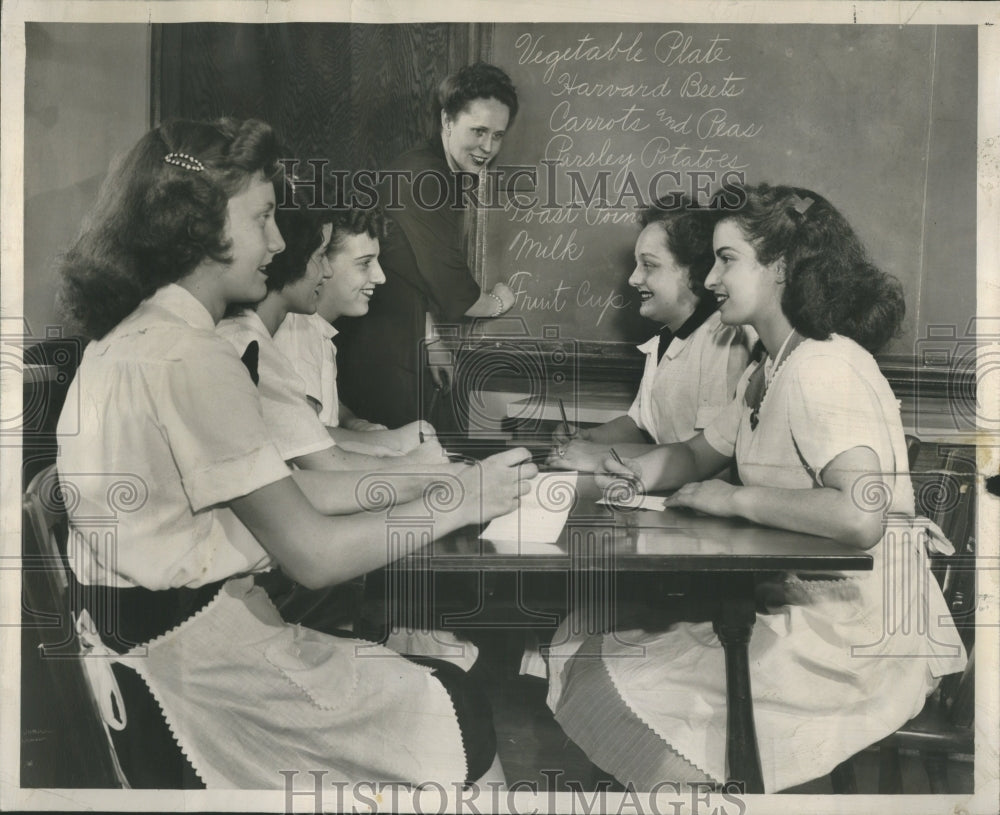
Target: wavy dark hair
155 221
347 222
477 81
831 286
688 230
301 225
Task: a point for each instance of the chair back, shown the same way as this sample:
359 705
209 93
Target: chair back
948 497
46 528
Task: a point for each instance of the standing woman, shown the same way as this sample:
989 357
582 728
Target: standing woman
428 280
815 431
163 406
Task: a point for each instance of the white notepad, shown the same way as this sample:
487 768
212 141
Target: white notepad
542 514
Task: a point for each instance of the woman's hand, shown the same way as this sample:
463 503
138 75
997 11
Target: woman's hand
430 452
498 300
578 454
494 485
713 497
406 438
507 298
362 425
564 434
442 376
630 469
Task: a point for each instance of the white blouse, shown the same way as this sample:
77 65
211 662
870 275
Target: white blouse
682 392
290 418
307 341
825 398
161 428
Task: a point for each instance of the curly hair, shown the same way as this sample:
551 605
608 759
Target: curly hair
831 286
688 230
301 225
156 221
477 81
347 222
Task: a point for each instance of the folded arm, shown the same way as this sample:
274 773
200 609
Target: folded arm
835 510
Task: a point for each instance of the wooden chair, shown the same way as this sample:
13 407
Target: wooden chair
944 727
130 741
60 654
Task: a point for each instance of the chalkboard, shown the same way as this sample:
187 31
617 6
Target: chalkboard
879 119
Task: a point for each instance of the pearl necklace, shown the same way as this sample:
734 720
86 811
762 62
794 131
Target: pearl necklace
761 379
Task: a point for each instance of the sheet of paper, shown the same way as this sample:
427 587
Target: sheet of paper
542 514
656 503
504 547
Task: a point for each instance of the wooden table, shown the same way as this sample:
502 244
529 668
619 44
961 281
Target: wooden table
598 540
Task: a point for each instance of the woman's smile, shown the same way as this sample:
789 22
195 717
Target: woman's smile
473 138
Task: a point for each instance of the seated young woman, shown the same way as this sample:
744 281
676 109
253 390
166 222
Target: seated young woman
814 429
348 250
184 228
330 261
692 364
295 279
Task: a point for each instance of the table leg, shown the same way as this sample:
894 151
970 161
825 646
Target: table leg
733 624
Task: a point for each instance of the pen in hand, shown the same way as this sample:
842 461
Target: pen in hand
616 457
565 421
458 458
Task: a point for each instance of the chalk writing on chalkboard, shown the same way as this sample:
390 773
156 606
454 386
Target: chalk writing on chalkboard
613 117
610 146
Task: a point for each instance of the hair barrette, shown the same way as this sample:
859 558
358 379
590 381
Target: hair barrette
801 205
184 160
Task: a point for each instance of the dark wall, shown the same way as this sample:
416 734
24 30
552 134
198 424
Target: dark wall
357 95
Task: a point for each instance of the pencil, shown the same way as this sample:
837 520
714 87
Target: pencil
562 410
616 457
458 458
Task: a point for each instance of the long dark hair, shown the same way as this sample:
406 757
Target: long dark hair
161 211
831 286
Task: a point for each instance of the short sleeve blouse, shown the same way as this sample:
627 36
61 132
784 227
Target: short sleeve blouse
162 427
306 340
683 391
826 398
290 418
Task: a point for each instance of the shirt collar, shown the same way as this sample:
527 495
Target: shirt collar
251 320
705 309
181 303
650 345
664 344
325 329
